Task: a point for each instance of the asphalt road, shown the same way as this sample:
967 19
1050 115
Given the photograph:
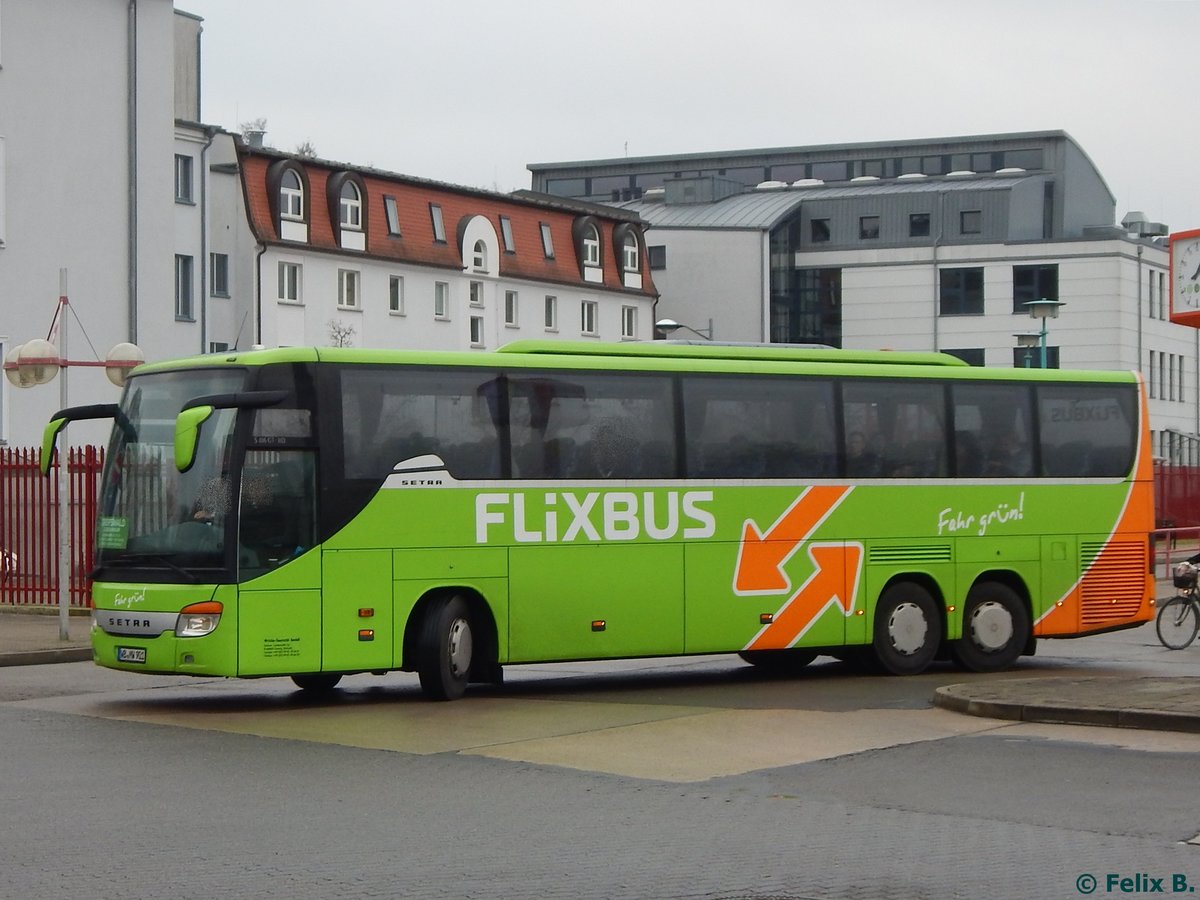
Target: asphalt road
693 778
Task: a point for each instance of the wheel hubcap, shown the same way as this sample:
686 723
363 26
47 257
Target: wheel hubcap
991 626
460 647
907 628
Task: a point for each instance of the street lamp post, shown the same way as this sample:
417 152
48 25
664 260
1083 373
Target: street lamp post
37 362
1042 310
670 326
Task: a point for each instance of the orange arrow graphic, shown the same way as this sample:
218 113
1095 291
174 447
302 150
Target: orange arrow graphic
834 583
761 556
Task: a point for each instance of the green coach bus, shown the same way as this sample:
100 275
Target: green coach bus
320 512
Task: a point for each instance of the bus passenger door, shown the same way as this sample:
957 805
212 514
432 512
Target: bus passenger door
356 610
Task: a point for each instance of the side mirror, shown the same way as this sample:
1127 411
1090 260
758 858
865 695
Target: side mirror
49 437
187 435
72 414
197 410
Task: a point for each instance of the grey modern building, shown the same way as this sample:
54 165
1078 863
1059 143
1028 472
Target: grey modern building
914 245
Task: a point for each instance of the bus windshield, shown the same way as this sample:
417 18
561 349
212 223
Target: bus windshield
152 517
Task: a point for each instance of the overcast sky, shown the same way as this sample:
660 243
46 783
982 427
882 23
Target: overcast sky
471 91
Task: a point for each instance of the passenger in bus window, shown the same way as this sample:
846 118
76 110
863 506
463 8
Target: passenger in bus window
1007 457
861 462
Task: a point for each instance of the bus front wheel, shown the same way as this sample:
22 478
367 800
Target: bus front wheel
995 629
445 648
907 629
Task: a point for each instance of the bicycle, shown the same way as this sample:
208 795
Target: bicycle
1179 618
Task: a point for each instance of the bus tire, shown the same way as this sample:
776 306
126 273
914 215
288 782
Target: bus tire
445 648
907 629
996 629
316 682
779 662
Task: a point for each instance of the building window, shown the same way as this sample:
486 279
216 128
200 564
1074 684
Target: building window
439 227
351 206
479 258
551 313
819 231
183 287
868 228
629 254
506 233
1031 357
1151 383
396 295
962 292
547 241
392 213
218 346
510 308
477 293
629 321
587 317
183 178
441 300
591 246
1033 283
349 281
970 221
476 331
657 256
218 274
972 356
291 196
290 284
918 225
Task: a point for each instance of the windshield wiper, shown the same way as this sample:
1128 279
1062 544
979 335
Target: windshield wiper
134 558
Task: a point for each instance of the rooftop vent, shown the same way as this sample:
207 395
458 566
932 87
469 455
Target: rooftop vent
909 176
808 182
960 173
1010 170
865 178
771 185
1135 223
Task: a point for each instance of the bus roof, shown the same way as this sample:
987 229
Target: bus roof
734 351
673 356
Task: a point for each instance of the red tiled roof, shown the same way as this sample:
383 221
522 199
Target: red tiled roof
416 244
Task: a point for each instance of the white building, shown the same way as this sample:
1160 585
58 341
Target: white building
915 245
86 113
335 254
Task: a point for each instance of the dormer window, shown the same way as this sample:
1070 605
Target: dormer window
479 261
628 248
586 235
287 190
629 254
351 206
291 196
346 199
591 246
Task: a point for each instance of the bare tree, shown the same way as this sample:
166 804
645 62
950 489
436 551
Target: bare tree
306 149
340 334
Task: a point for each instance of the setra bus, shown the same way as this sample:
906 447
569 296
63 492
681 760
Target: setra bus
320 512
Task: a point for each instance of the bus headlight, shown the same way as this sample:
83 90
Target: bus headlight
198 619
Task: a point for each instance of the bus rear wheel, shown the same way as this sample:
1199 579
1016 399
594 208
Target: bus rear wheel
445 648
316 682
779 662
995 629
907 629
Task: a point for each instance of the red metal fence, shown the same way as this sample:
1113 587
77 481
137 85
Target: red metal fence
1177 496
29 531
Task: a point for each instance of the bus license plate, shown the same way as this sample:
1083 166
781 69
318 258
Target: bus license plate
131 654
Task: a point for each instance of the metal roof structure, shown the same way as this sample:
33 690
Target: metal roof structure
765 208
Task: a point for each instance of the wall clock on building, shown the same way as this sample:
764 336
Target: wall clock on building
1185 278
